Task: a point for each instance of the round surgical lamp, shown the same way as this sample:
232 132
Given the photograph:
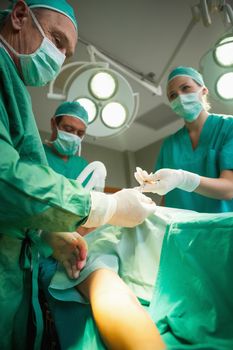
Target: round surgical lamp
103 85
113 115
108 97
90 107
224 51
224 86
216 67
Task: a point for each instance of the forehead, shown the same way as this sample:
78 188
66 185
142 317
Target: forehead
72 121
175 83
54 21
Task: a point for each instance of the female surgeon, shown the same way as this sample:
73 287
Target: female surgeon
195 165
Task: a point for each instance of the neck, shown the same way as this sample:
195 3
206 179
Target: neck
62 156
196 125
14 41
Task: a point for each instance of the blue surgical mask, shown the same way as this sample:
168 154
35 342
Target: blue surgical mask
188 106
41 66
66 143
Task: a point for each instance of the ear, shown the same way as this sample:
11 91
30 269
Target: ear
53 123
19 15
205 91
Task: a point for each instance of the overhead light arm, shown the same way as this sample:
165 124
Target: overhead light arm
94 52
199 11
136 76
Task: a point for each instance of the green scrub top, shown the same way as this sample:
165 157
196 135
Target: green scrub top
213 154
33 197
70 168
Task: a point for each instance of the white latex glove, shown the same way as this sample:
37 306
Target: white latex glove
127 208
165 180
132 208
69 248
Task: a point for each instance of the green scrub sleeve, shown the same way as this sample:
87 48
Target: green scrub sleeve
34 196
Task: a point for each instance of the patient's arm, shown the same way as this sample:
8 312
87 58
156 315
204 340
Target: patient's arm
121 320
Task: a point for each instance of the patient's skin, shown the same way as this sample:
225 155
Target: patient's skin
120 318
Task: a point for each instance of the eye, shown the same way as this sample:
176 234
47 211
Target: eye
172 96
57 42
185 87
68 129
81 133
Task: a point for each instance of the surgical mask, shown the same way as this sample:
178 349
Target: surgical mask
66 143
188 106
41 66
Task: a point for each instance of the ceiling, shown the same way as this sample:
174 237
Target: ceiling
144 35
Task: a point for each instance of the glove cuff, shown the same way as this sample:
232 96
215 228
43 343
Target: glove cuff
103 207
190 181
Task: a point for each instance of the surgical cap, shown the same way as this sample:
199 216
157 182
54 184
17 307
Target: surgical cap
186 72
72 109
60 6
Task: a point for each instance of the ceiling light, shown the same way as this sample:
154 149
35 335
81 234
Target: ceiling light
224 86
114 114
105 94
90 107
224 51
102 85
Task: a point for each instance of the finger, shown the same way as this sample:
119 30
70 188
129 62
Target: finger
75 269
145 199
153 188
82 248
138 178
76 274
68 268
143 174
81 264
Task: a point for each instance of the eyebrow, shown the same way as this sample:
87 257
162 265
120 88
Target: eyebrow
180 86
64 39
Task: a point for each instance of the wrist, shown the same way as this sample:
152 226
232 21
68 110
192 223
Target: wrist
189 181
103 207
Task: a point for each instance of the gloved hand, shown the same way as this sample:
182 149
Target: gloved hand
69 248
132 208
127 208
165 180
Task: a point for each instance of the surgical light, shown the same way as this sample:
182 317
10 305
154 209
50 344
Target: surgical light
224 51
114 115
216 67
102 85
225 86
90 107
104 92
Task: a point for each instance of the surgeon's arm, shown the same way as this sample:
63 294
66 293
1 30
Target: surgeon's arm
34 196
220 188
165 180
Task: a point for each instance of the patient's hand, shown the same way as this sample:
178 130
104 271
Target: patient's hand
69 248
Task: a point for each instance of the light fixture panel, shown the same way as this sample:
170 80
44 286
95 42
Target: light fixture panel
123 95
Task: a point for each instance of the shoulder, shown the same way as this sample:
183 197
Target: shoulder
221 118
80 160
221 122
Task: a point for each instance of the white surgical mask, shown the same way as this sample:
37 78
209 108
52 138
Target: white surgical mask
41 66
188 106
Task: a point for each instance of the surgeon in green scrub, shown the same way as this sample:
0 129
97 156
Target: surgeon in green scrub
35 38
63 150
195 165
